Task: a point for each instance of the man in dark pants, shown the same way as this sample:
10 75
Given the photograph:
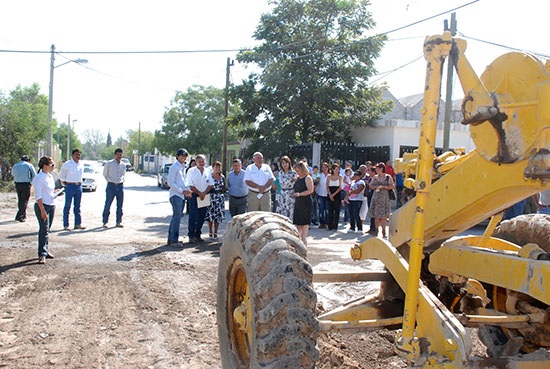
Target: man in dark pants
199 181
114 172
71 178
238 190
23 174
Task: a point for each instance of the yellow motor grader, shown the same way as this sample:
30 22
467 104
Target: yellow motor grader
436 283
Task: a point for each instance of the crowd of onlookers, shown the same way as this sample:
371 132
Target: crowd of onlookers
361 195
306 195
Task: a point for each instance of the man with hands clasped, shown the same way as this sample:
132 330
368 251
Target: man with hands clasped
259 179
199 181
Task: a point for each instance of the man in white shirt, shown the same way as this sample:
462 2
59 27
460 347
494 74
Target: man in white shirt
259 178
71 178
199 180
114 172
544 202
178 192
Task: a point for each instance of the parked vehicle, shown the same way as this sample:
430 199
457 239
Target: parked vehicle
88 181
162 176
129 166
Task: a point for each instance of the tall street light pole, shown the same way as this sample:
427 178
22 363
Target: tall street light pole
50 97
69 136
50 103
226 110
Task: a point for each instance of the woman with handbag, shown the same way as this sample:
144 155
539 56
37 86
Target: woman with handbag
381 185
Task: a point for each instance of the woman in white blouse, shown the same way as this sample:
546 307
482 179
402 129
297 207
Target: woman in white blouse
44 208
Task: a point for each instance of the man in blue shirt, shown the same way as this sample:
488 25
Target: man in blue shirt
23 174
238 190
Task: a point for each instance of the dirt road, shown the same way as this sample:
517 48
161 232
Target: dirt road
121 298
110 298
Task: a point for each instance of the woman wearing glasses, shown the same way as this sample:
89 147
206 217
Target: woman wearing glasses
44 208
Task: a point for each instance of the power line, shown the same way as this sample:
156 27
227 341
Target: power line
387 32
504 46
127 52
299 42
431 17
385 74
115 77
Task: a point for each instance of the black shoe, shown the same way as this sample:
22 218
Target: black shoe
198 239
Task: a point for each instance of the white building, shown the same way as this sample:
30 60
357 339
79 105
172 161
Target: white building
400 128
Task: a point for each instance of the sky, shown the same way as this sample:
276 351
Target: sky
118 92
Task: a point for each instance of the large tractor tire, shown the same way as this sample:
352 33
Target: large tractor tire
266 303
524 229
521 230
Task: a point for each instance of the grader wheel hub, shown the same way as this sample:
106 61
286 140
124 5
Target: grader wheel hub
240 314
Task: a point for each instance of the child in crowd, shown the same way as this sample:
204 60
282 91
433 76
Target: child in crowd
346 186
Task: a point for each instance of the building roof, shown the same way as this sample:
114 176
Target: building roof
411 100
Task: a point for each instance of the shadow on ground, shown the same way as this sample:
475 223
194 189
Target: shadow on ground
19 264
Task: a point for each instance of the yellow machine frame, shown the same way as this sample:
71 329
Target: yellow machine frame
510 127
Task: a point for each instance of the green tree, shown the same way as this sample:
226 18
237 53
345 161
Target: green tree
23 123
315 62
94 142
195 121
109 140
61 132
107 152
143 144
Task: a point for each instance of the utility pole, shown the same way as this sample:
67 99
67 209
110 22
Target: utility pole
226 111
69 137
449 95
139 142
49 142
139 138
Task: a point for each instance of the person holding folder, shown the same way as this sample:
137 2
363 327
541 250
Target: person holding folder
199 180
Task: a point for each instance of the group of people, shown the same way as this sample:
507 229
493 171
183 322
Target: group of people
45 192
362 193
249 189
303 194
202 189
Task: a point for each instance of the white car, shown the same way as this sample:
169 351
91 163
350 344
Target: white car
162 176
88 180
126 162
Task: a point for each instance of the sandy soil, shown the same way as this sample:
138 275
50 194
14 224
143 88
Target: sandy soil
120 298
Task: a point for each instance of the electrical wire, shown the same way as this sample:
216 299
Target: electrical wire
546 56
299 42
387 32
385 74
114 77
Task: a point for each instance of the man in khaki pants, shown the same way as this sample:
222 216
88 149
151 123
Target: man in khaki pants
259 178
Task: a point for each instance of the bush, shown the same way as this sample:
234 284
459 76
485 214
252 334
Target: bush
7 186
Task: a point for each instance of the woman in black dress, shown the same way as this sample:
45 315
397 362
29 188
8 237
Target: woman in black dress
303 188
